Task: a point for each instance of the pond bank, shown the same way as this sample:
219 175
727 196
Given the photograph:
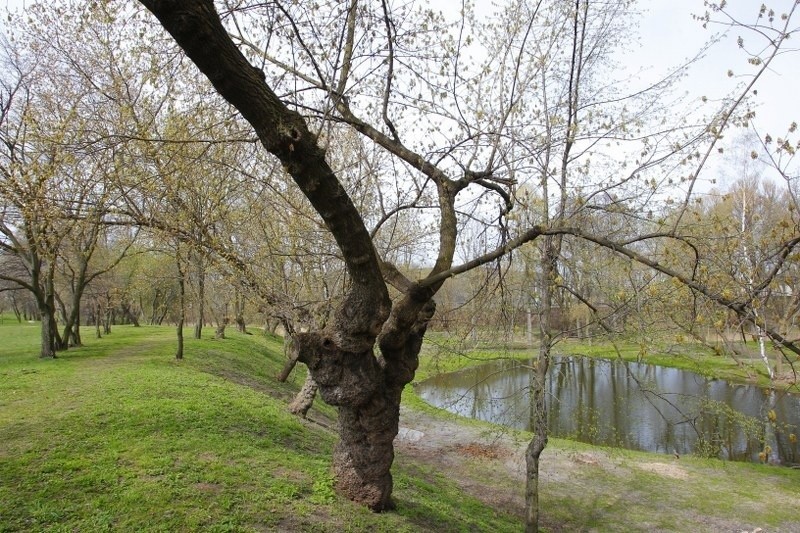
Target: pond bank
588 488
629 405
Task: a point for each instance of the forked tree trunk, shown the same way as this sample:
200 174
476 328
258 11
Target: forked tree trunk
341 358
367 391
219 332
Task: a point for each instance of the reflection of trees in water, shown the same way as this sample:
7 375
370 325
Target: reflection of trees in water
630 405
725 432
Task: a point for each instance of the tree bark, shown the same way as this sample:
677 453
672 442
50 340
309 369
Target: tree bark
181 304
305 398
46 302
538 392
219 332
107 314
125 307
97 332
201 296
238 309
49 332
363 456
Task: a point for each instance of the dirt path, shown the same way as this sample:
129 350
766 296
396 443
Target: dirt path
607 489
448 445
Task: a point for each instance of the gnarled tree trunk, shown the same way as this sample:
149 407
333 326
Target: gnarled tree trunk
365 386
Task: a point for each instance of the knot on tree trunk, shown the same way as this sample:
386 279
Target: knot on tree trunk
344 378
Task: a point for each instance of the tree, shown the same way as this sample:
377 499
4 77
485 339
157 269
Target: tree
366 386
34 192
54 188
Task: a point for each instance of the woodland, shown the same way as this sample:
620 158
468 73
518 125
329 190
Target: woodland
353 175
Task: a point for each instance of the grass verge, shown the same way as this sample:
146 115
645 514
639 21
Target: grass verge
119 435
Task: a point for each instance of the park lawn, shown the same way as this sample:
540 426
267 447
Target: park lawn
120 435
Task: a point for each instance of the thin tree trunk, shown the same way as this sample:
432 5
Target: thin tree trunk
97 332
536 446
238 308
201 296
181 304
539 388
17 312
179 349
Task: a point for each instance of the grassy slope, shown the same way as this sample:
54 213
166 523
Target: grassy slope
594 488
120 435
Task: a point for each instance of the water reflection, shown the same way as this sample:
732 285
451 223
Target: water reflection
631 405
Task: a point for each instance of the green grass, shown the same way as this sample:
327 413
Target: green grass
119 435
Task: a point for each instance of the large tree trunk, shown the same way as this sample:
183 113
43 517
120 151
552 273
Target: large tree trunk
367 391
363 457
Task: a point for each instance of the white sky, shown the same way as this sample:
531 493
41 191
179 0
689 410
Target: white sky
669 35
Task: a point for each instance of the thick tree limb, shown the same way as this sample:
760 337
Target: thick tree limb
196 27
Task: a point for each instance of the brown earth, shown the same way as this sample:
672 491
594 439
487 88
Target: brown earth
470 455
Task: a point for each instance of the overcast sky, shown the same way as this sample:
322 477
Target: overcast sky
668 35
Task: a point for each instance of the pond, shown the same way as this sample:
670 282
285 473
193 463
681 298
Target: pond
630 405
